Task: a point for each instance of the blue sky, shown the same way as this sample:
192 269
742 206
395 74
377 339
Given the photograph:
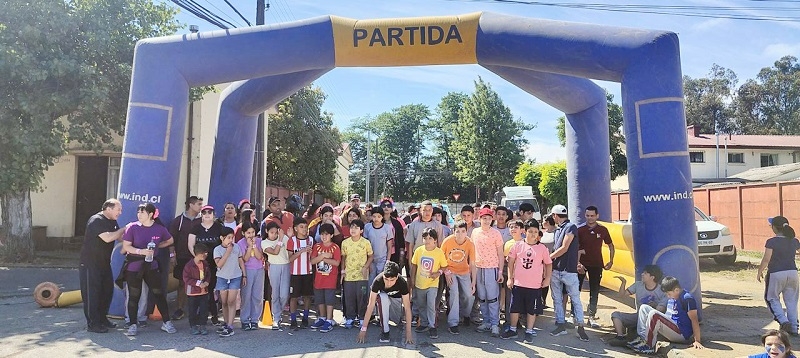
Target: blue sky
740 45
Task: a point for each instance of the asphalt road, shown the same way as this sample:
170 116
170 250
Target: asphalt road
27 330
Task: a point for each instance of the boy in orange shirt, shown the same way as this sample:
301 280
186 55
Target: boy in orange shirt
460 275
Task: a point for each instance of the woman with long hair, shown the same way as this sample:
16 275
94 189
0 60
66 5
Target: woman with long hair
229 216
247 218
781 278
141 242
350 215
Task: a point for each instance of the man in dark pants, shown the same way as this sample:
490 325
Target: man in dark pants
180 228
591 237
97 281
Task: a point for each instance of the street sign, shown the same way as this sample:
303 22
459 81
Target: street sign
456 196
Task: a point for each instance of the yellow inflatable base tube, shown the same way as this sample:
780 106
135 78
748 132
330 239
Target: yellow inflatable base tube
624 267
74 297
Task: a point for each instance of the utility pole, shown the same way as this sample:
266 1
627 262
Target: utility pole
377 164
369 139
259 181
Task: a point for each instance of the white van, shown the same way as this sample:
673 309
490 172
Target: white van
516 195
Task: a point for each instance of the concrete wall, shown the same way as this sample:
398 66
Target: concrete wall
752 159
54 207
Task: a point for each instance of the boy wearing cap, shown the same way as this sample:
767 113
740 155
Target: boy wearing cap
565 272
392 294
488 257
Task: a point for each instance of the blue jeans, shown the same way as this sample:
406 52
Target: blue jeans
569 280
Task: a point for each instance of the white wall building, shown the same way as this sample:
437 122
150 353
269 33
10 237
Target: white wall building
715 157
79 182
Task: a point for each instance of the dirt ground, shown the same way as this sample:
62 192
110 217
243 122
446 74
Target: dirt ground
735 314
734 311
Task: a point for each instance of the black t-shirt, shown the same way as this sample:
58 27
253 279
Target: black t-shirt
209 237
95 251
399 288
180 228
399 239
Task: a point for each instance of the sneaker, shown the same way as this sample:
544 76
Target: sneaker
483 328
348 323
453 330
385 337
227 332
529 337
508 334
215 321
195 330
356 322
132 330
786 327
433 334
127 325
293 325
203 330
319 323
593 323
253 326
421 329
414 321
326 327
582 334
465 322
178 314
495 331
304 323
617 341
142 323
635 343
644 349
276 325
110 325
168 327
559 331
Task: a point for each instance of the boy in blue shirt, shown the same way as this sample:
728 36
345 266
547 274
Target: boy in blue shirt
678 324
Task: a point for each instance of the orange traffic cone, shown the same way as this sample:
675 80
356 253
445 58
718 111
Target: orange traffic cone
266 316
156 315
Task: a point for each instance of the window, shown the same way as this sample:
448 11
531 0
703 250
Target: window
768 160
736 158
113 176
696 157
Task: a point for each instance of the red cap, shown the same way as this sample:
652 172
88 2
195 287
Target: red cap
207 207
486 211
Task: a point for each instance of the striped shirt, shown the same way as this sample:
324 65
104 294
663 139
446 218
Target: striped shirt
302 264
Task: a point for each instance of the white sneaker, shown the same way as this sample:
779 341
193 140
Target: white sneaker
132 330
168 327
593 323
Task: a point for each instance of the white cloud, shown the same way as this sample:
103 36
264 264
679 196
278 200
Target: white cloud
775 51
543 151
710 24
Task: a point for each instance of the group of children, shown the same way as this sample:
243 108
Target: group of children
471 264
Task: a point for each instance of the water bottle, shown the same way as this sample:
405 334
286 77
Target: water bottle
151 246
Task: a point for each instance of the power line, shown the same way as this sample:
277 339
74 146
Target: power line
237 12
203 13
673 10
223 12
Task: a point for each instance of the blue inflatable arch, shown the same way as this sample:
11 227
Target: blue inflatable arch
551 60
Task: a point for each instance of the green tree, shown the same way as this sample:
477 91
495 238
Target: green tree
356 138
303 145
439 163
529 174
708 100
616 140
488 139
66 68
770 104
399 148
553 185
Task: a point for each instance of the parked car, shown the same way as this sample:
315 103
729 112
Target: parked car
514 196
714 240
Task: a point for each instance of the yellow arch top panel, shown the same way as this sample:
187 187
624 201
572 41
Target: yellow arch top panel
436 40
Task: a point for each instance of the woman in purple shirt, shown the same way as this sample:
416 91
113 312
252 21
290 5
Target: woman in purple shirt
134 244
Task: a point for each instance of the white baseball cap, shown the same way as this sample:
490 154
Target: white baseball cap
559 209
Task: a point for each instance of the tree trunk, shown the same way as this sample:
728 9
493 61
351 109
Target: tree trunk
16 243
